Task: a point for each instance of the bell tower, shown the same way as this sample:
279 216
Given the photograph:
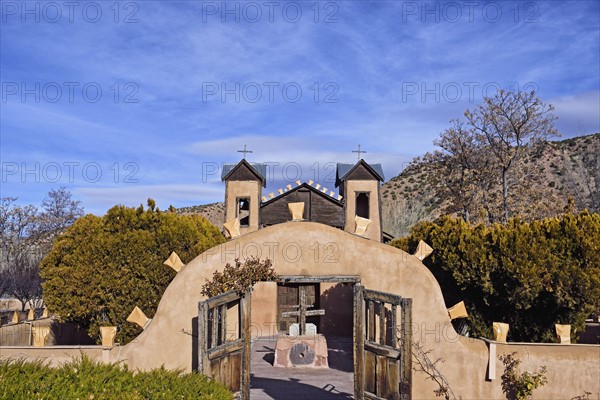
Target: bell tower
360 186
243 190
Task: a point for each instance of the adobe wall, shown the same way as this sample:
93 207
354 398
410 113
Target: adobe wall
264 309
56 355
306 248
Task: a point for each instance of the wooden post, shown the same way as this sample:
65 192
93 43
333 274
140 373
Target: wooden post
381 322
223 333
371 320
406 384
302 310
359 342
245 319
202 336
394 326
214 337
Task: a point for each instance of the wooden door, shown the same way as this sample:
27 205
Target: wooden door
288 299
383 354
224 341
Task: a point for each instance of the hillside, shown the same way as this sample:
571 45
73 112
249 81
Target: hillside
567 168
214 212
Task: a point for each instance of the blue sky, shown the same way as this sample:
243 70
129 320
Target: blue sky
123 101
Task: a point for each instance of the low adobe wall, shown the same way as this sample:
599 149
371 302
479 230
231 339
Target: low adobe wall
60 333
305 248
56 355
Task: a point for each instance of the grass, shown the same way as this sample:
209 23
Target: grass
88 380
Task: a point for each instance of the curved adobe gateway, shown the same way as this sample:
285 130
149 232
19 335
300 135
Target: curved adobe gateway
292 248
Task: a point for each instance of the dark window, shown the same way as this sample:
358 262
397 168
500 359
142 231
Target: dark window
243 211
362 204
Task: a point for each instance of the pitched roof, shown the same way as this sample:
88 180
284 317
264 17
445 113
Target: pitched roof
307 186
343 170
260 170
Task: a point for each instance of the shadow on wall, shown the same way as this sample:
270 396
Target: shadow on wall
195 362
70 333
337 302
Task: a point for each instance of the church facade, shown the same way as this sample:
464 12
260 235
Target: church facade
356 209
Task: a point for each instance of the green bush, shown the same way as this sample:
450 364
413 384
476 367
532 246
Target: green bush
239 277
530 275
102 267
519 385
87 380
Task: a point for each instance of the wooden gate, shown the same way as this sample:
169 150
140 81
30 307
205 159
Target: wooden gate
382 354
224 341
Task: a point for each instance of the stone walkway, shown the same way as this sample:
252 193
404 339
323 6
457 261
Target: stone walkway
269 382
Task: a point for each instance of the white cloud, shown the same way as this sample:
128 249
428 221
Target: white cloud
578 114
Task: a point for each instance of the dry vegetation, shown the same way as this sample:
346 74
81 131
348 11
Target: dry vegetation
567 168
214 212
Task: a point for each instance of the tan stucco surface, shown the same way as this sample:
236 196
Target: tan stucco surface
56 355
235 189
371 186
306 248
264 309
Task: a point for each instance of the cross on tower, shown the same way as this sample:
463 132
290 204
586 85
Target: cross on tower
359 151
244 151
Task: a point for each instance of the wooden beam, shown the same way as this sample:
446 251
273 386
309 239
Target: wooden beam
310 313
382 350
223 333
371 396
225 348
302 310
319 279
394 328
370 319
202 336
226 297
381 296
214 337
381 322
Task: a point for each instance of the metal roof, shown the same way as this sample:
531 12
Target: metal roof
344 169
261 169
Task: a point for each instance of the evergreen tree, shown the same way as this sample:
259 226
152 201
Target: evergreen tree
530 275
102 267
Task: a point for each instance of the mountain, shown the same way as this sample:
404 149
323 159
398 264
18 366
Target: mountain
214 212
566 169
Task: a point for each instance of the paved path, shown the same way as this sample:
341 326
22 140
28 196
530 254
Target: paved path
274 383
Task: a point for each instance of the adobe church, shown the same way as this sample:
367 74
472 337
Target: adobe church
356 209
